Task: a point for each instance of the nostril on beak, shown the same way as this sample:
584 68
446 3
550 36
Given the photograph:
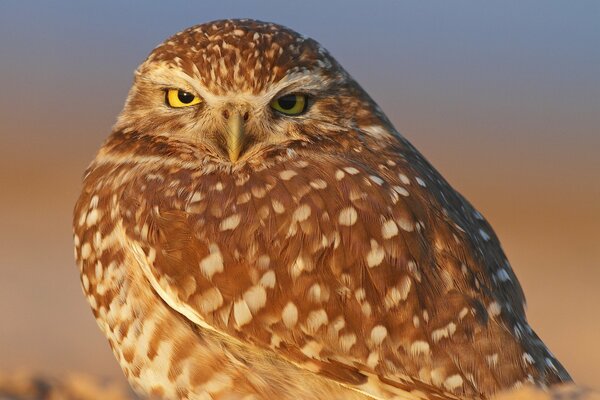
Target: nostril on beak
226 114
246 115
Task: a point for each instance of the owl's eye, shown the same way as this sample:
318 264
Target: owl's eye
178 98
290 104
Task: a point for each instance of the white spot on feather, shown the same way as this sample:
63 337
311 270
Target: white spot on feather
210 300
492 360
484 235
299 266
92 217
375 130
318 293
437 376
230 222
401 191
241 313
445 332
528 358
347 216
419 347
312 349
389 229
503 275
373 359
405 224
392 298
94 201
378 334
255 298
494 309
318 184
244 198
404 287
289 315
551 364
268 279
315 320
376 179
302 212
453 382
86 250
287 174
278 207
375 255
347 341
212 263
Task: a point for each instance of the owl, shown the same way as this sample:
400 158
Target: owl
254 227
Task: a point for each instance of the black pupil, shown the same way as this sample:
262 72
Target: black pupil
185 97
287 102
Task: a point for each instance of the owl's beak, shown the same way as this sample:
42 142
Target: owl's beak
235 136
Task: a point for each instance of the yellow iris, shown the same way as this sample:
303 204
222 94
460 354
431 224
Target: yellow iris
180 98
290 104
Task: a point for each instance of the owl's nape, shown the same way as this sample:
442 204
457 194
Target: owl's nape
254 227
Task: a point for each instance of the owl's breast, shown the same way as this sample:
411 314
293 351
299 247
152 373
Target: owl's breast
299 209
282 228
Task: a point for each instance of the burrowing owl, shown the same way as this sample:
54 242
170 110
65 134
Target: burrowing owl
255 228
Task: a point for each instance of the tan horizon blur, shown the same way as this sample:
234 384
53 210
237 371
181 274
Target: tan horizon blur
522 145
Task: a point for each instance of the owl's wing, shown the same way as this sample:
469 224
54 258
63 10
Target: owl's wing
383 279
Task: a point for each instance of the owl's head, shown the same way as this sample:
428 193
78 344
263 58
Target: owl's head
238 89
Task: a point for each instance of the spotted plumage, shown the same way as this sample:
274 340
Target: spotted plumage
321 258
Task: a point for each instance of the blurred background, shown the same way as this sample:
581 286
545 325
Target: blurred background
502 97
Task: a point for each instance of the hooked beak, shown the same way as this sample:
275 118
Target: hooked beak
235 136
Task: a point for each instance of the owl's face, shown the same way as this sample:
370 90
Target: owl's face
240 90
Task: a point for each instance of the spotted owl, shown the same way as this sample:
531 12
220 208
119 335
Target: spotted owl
254 227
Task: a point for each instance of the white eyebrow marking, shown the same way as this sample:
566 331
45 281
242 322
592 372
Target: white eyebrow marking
167 75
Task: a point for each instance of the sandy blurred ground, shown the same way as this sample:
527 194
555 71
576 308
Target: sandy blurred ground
507 107
23 386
